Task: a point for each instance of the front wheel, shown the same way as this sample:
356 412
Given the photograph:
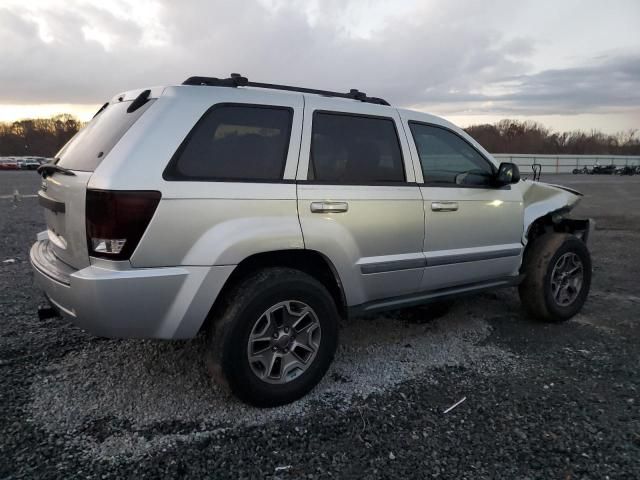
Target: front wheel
275 337
557 270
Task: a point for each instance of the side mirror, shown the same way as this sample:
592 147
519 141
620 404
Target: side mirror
508 173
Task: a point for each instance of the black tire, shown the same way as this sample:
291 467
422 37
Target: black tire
243 306
576 171
536 291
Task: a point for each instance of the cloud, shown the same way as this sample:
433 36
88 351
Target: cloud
609 84
420 54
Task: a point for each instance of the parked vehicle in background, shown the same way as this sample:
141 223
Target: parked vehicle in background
609 170
8 164
604 169
22 163
262 214
626 170
29 163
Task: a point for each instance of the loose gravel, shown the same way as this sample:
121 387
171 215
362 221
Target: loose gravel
144 383
542 401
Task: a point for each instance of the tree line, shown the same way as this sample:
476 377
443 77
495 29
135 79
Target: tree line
45 136
512 136
40 137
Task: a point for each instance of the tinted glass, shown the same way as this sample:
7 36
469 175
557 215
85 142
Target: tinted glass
91 145
351 149
447 158
233 142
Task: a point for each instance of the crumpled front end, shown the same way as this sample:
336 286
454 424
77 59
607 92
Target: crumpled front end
552 203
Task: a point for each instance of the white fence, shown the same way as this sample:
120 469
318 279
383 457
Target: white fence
565 163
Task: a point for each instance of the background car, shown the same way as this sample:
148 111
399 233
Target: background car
8 164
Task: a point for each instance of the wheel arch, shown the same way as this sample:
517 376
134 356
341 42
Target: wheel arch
310 262
557 222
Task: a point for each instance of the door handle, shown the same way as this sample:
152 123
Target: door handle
329 207
444 206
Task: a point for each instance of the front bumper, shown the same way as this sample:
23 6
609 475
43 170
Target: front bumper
167 302
582 228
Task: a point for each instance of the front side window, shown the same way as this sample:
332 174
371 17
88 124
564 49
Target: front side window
351 149
235 142
446 158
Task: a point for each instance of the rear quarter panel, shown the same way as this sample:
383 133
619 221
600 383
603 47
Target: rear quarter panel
203 223
239 221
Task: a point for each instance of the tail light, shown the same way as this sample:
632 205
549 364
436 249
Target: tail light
116 221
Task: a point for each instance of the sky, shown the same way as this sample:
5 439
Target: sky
569 64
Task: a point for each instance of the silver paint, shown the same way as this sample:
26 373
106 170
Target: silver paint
378 238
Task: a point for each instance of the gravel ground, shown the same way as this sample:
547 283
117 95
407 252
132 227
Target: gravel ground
542 401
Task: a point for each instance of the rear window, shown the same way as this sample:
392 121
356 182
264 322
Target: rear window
89 146
351 149
234 142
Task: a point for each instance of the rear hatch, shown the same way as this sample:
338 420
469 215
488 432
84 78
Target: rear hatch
64 189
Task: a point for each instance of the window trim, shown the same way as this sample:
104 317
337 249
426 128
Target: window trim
170 172
402 183
494 169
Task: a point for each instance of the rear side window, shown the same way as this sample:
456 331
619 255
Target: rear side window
447 158
235 142
89 146
354 149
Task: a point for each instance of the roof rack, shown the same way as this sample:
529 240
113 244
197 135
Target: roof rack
237 80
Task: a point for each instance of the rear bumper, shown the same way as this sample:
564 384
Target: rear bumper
167 302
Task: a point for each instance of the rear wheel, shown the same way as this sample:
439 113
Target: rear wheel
275 337
557 272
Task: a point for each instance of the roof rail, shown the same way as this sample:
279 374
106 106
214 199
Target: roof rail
237 80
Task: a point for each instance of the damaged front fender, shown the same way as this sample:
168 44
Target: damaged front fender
545 208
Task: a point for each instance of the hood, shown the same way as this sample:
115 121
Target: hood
562 187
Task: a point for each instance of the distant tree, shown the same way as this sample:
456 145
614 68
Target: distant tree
38 136
513 136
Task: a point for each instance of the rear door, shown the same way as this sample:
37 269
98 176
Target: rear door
63 195
357 198
472 229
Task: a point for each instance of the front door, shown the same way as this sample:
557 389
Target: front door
358 201
473 230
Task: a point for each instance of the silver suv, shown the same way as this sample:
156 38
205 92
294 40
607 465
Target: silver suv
263 214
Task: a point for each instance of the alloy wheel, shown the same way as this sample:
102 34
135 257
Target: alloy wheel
284 342
567 279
